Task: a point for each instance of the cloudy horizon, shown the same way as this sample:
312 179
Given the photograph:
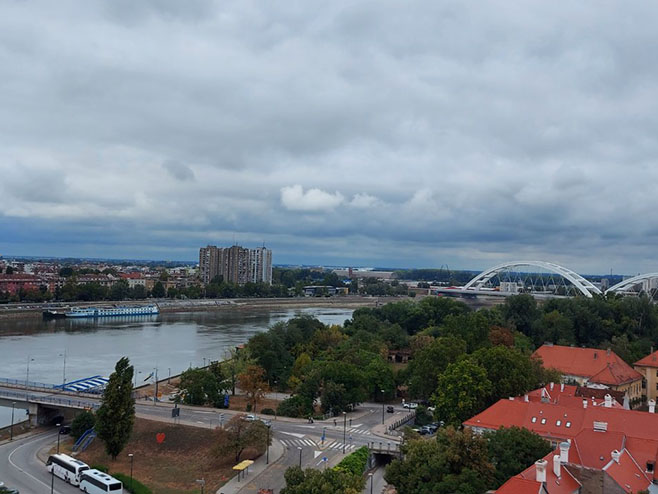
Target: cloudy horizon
415 134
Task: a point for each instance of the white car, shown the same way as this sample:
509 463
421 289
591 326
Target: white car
250 418
410 405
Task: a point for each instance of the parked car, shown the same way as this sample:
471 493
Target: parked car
266 422
65 429
410 405
390 409
6 490
249 418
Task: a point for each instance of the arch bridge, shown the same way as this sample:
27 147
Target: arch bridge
645 282
513 280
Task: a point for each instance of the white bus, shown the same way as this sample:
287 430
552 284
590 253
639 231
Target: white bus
95 482
66 468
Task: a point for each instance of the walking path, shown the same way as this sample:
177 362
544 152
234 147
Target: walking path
234 485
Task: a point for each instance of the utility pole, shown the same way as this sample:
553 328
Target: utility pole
155 396
344 429
11 430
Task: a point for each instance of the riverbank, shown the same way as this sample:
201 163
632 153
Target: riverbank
26 311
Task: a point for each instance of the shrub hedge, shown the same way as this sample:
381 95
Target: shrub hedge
356 462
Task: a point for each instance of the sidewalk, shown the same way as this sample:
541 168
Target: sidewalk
233 486
381 430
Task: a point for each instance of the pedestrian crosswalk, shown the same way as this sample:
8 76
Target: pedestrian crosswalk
339 445
288 443
365 432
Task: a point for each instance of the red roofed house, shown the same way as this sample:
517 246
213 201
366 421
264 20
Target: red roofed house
588 366
648 367
603 449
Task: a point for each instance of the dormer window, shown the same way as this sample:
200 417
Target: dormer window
558 423
543 421
567 425
533 420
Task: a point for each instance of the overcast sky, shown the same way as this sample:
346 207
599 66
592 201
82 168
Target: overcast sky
375 133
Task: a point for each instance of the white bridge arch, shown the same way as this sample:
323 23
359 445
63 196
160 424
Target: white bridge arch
626 285
581 284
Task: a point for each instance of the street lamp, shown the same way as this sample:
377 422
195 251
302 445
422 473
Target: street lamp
11 430
371 481
58 434
202 482
64 370
344 429
27 376
300 456
267 456
382 406
132 457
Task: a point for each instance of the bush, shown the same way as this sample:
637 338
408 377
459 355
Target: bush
81 423
100 467
295 406
267 411
138 487
356 462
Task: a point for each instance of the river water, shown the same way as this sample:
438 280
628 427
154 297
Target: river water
171 341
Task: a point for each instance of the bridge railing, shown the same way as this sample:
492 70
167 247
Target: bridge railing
384 447
30 384
70 403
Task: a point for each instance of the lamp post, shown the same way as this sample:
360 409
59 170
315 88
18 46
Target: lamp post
11 430
27 377
132 457
300 456
58 435
371 481
382 406
155 392
344 429
64 369
202 482
267 455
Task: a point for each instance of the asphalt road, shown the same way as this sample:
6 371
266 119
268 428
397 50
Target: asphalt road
20 468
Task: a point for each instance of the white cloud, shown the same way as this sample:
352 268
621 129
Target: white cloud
363 201
295 199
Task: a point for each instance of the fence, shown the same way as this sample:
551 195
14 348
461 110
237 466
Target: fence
390 429
70 403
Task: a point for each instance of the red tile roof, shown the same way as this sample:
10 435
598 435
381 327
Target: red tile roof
526 483
627 473
650 360
602 366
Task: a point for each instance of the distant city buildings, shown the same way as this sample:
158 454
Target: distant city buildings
235 264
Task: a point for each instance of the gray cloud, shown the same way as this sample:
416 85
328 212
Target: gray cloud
420 133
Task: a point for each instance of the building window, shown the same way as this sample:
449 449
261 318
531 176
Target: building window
558 423
567 425
543 421
533 420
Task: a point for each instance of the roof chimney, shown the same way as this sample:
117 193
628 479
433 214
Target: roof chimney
584 402
652 406
608 351
564 452
551 385
561 387
608 401
615 455
540 468
556 466
525 397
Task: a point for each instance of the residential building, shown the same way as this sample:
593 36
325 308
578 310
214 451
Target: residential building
235 264
603 448
592 366
648 368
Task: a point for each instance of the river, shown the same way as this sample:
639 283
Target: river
171 341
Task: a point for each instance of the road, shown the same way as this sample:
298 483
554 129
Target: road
21 469
321 444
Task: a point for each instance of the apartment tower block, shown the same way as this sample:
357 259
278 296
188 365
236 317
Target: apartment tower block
235 264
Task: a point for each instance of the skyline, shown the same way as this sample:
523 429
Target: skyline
375 134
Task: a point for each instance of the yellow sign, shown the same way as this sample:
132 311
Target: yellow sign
243 465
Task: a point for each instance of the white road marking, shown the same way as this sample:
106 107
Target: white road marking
295 434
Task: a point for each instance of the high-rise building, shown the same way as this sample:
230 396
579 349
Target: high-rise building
235 264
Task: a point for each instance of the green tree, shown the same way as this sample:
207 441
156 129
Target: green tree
463 390
120 290
238 435
82 423
512 450
430 361
116 415
201 386
311 481
520 311
454 462
509 371
158 290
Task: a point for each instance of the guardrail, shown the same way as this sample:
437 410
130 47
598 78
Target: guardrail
390 428
30 384
70 403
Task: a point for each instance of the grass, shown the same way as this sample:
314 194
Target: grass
186 454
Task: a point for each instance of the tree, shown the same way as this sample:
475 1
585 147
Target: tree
252 382
158 290
454 462
82 423
520 311
116 415
201 386
429 362
463 390
331 481
239 434
512 450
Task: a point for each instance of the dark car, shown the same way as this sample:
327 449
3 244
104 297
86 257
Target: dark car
65 429
390 409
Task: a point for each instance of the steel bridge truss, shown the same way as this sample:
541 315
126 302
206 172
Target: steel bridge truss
553 278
